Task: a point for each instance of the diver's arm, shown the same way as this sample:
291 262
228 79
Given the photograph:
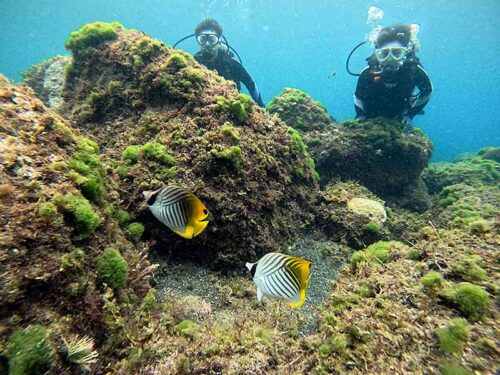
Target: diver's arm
249 83
424 85
361 94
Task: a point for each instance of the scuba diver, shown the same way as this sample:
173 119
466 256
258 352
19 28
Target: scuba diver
394 84
215 54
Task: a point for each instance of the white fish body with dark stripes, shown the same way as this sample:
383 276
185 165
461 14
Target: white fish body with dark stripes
178 209
281 276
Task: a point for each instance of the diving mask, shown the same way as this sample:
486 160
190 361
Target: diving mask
207 39
387 54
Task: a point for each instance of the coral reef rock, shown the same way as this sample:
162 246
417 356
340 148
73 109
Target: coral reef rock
300 111
161 118
369 208
47 80
58 211
473 170
352 215
377 153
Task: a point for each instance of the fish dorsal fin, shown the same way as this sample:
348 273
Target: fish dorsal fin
301 268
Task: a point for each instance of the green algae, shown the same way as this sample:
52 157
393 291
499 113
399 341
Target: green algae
231 154
432 280
131 154
47 210
187 328
158 152
149 302
453 367
91 35
299 110
121 216
81 211
454 336
334 344
468 267
373 227
86 170
135 231
239 108
470 299
112 268
230 132
29 351
73 260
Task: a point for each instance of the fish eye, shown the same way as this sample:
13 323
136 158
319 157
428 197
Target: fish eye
205 211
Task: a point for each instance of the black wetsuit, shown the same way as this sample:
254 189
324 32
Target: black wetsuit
394 94
231 69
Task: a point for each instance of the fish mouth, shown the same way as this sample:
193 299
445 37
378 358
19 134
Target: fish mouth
205 219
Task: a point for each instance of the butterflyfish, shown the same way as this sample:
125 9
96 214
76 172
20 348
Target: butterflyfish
281 276
178 209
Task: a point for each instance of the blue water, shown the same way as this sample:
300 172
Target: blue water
299 43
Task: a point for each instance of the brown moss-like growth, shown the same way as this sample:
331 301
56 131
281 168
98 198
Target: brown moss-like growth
254 177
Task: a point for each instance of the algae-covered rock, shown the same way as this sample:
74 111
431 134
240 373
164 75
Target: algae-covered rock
351 214
161 118
56 214
490 153
368 208
300 111
377 154
47 80
472 170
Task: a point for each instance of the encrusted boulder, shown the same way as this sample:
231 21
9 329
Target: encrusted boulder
352 215
161 118
300 111
377 153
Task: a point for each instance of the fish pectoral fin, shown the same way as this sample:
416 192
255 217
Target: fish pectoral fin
259 294
301 299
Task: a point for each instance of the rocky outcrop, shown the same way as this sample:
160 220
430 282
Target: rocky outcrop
377 153
59 217
300 111
162 118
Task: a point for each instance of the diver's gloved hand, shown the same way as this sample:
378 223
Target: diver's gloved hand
360 118
407 124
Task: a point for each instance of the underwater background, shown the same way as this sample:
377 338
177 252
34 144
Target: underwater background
145 201
302 45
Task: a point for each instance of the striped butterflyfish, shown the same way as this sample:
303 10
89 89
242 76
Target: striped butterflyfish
281 276
178 209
